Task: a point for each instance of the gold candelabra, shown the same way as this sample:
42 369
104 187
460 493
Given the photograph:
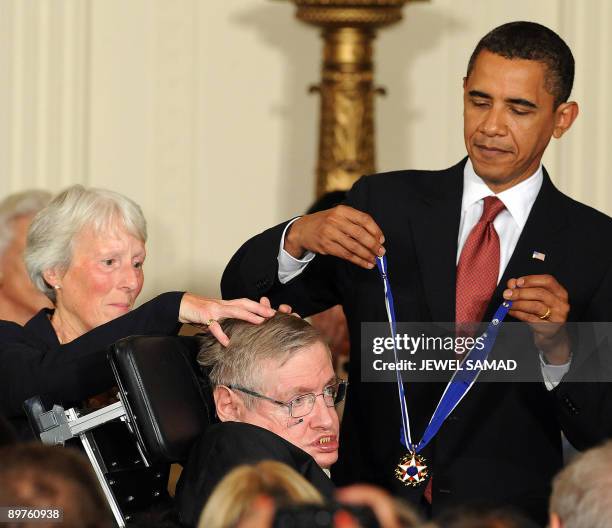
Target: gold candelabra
346 129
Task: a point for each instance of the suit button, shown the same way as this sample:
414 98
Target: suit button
570 405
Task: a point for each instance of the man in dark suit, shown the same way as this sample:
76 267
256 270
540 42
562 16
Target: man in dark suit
547 253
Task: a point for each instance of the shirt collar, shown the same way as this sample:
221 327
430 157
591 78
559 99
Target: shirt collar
518 199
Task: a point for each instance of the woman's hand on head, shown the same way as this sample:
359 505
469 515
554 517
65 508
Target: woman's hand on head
283 308
202 311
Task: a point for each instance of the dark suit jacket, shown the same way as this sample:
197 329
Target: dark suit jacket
32 361
502 443
227 445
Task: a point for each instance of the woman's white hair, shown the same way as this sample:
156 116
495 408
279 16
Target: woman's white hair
16 205
52 232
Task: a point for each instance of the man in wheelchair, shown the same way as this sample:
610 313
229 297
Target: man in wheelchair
275 393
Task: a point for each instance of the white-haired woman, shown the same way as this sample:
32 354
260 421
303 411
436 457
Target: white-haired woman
85 251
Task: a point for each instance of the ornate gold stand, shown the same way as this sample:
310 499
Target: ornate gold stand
346 135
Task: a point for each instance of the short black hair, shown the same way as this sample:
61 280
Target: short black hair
531 41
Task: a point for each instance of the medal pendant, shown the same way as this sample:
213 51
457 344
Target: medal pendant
411 470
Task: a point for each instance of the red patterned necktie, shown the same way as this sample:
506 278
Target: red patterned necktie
477 274
478 266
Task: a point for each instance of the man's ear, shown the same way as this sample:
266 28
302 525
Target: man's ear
227 405
554 521
565 115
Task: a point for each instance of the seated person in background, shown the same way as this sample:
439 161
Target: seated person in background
275 393
44 477
244 484
582 491
19 299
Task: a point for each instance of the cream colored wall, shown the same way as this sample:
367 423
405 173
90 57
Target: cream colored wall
199 110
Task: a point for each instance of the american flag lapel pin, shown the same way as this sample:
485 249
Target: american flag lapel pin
538 256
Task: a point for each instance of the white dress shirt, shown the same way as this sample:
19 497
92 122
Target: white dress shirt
510 222
288 266
509 225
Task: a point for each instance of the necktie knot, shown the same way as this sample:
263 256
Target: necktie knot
492 207
478 266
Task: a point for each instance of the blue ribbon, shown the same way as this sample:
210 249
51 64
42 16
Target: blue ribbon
461 381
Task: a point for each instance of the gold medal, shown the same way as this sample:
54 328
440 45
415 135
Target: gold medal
411 470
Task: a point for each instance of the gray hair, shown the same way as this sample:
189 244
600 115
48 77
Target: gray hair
51 234
16 205
582 491
240 363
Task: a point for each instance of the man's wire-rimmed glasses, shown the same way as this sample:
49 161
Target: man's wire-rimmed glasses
303 404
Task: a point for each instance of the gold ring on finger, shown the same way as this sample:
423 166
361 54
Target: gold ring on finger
546 315
210 321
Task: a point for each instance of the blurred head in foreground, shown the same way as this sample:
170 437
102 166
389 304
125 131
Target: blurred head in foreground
44 477
237 491
582 491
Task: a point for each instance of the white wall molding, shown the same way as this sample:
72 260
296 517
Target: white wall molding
43 132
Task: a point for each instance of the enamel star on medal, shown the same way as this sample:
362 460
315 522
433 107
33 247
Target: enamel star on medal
412 470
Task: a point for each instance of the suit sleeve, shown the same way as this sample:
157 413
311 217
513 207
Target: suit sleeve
79 369
253 270
584 397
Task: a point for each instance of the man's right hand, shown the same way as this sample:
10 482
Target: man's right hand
342 232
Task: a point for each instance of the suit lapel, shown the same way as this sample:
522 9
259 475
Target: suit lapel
544 232
436 227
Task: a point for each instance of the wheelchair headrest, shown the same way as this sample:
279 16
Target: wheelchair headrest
168 401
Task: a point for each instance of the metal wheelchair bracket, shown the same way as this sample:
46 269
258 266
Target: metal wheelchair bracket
60 425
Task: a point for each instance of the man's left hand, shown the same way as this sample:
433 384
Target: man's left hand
543 303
